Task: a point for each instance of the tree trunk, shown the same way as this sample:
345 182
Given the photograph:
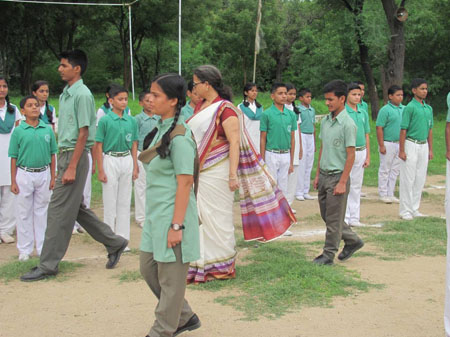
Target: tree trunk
392 71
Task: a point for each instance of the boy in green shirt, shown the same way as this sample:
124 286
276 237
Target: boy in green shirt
32 150
416 148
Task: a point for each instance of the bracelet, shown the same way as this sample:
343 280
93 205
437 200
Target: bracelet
232 177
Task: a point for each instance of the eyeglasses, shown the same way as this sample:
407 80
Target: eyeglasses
194 84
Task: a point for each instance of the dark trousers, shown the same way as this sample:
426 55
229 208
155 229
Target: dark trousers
332 210
66 206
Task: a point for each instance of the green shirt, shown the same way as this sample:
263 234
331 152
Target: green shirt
448 105
363 105
145 124
33 147
76 110
187 111
116 133
361 119
389 118
278 126
336 136
160 198
417 120
308 116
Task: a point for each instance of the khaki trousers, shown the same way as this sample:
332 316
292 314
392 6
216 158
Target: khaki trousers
332 210
167 280
66 206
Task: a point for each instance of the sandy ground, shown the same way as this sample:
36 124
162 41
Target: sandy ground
92 302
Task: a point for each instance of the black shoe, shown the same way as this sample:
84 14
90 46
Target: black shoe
349 250
113 258
322 260
192 324
35 274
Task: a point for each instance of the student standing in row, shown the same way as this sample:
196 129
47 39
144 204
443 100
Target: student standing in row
32 151
76 129
116 142
336 157
146 122
388 135
41 91
362 155
308 139
9 118
188 110
106 107
252 110
362 105
416 148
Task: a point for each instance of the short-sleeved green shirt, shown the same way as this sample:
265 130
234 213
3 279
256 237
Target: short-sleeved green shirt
278 126
145 125
363 105
361 119
76 110
389 118
116 133
308 117
448 105
417 120
33 147
336 135
160 198
187 111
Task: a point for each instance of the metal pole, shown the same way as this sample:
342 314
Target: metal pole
131 50
179 37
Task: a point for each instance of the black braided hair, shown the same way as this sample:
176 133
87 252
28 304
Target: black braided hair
290 86
248 86
35 87
163 149
9 106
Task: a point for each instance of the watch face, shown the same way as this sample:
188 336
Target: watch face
176 226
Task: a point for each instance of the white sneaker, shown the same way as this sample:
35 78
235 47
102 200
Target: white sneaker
294 211
357 224
6 238
406 217
419 215
363 194
309 197
74 231
24 257
386 200
141 224
287 233
301 198
395 200
127 249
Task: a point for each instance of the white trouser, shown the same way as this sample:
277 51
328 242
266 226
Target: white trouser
292 184
139 194
117 193
278 164
389 170
305 165
354 195
7 215
87 188
413 173
447 278
31 206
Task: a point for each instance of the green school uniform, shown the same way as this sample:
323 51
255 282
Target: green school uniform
417 120
363 105
116 133
161 189
33 147
187 111
76 110
336 136
308 116
278 126
108 110
255 116
361 119
448 105
389 118
145 124
44 116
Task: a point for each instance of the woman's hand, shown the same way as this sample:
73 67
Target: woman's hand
233 184
174 237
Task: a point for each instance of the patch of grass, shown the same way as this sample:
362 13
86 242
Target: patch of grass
133 251
433 197
312 218
129 276
14 269
280 278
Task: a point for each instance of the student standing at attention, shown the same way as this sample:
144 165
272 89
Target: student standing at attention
32 150
362 105
40 90
362 155
308 138
388 135
76 128
336 157
252 110
278 126
116 142
416 148
9 118
146 122
188 110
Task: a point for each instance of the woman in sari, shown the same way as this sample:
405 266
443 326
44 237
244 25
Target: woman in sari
228 161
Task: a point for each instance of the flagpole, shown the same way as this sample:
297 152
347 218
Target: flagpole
179 37
257 39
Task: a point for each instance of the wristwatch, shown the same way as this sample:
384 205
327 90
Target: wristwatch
176 226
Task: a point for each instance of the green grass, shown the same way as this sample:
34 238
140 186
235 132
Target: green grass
129 276
14 269
279 277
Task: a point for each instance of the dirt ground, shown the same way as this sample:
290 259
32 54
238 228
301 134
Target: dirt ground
92 302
